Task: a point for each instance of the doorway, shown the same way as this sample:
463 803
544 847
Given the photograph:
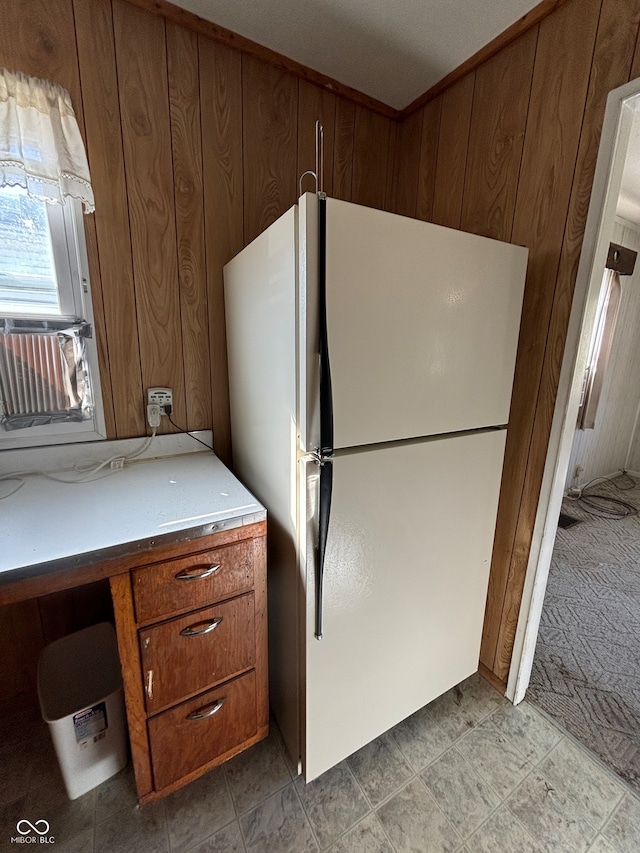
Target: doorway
558 560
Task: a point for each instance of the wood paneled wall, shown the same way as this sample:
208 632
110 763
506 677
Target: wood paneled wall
25 628
193 149
509 152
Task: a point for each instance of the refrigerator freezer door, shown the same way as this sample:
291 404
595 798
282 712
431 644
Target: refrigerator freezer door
423 326
407 567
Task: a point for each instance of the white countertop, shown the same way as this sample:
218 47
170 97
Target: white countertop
148 502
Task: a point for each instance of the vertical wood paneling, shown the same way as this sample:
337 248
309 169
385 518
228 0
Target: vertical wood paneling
144 107
455 119
100 329
343 149
428 160
56 615
270 114
315 104
390 195
563 61
184 104
610 68
96 55
370 158
635 64
498 121
221 121
462 171
26 627
42 43
21 642
390 188
70 610
406 153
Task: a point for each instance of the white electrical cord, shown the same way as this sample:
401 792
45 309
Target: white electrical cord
87 474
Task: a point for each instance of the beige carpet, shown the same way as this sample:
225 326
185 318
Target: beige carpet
586 671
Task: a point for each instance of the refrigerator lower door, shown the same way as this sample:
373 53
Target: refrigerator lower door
407 565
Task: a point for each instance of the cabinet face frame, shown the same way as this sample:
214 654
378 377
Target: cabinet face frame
130 658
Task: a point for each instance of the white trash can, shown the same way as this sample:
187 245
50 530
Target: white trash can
81 698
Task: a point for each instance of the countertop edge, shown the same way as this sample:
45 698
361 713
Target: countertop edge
20 576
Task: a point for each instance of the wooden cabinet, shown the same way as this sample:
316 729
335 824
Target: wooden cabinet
191 625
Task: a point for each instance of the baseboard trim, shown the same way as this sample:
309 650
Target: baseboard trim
497 683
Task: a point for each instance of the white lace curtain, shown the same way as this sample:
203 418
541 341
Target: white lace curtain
41 148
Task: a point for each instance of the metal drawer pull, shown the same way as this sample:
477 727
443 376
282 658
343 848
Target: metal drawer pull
197 574
200 628
207 710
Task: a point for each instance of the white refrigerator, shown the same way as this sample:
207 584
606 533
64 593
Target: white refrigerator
371 360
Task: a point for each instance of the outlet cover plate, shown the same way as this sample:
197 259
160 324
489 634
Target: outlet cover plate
160 397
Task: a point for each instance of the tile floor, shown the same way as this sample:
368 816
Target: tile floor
468 773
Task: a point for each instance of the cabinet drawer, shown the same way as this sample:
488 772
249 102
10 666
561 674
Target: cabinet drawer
196 732
188 654
191 582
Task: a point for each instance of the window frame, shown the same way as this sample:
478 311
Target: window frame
66 227
600 348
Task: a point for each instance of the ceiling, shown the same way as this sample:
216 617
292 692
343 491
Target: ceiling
391 50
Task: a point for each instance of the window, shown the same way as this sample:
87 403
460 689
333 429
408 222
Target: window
49 383
599 348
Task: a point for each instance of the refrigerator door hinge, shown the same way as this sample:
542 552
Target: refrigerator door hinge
317 457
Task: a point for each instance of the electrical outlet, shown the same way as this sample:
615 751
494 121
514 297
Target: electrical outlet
162 397
153 415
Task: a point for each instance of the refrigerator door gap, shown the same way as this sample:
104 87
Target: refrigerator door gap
423 439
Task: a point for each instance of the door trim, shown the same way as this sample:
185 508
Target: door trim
606 188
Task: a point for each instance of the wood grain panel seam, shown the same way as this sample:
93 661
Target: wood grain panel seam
242 152
392 148
396 170
170 426
544 409
356 116
205 306
489 614
466 157
436 131
415 206
141 39
633 57
97 299
127 176
124 159
526 124
438 160
336 148
127 180
103 118
540 390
